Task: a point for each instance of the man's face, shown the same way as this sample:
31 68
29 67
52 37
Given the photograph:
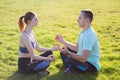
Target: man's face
81 20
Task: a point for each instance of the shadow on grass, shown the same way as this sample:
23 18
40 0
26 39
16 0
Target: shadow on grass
61 76
17 76
57 76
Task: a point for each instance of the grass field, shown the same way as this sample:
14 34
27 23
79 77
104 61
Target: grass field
60 16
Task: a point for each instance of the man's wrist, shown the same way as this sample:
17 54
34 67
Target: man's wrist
63 41
68 53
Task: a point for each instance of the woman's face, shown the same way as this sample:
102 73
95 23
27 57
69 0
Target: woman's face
34 21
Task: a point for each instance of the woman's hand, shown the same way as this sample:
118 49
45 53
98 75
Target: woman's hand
51 57
59 38
56 48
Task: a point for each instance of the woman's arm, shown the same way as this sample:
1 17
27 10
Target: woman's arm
38 48
41 49
27 42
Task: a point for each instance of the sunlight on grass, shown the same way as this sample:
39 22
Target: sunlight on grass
60 16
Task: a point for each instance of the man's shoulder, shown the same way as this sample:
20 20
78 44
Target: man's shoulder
91 32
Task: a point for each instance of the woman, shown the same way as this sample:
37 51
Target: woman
28 61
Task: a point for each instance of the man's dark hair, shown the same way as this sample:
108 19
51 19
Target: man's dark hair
88 14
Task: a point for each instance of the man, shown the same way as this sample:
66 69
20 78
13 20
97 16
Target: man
87 57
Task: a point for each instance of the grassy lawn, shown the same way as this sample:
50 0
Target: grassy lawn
60 16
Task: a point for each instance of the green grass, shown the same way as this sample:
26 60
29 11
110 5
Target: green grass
60 16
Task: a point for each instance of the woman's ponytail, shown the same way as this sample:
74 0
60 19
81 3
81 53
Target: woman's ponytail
21 23
23 20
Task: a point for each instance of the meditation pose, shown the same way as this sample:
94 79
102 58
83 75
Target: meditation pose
28 61
85 55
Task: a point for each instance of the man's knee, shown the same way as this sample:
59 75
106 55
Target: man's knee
69 61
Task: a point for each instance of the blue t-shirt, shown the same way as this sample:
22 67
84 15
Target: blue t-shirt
87 40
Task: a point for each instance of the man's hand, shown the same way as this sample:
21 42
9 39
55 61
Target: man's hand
64 50
59 38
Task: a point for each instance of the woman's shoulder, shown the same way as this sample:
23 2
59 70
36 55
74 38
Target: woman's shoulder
24 36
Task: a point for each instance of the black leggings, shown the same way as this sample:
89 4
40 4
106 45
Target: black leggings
26 67
79 66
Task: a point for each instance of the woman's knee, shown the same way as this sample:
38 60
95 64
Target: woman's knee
47 53
42 66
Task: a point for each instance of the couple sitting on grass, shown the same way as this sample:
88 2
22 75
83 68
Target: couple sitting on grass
81 57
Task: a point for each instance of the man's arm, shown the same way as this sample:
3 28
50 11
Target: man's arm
80 58
71 46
